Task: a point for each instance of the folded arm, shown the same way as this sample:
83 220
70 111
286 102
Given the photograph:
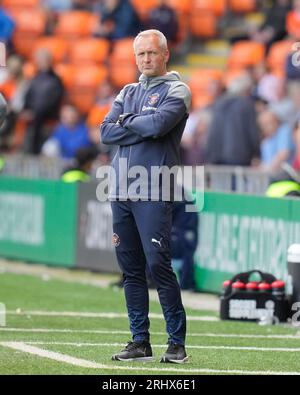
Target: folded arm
166 117
112 133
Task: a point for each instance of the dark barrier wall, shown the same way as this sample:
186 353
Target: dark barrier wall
95 249
239 233
38 220
64 224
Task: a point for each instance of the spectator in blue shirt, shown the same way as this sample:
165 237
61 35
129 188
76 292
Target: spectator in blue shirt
118 19
7 26
70 135
277 144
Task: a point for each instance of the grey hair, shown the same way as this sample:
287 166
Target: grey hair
150 32
240 85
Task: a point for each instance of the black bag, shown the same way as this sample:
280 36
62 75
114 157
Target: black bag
266 302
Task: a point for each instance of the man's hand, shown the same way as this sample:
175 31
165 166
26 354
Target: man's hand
122 118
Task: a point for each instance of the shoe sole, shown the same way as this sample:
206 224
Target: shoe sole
178 361
140 359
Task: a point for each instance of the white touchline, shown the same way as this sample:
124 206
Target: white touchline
99 315
241 348
20 346
95 331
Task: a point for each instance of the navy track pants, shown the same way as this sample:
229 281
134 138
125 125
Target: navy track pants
142 232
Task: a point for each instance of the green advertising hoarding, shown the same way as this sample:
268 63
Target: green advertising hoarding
38 220
240 232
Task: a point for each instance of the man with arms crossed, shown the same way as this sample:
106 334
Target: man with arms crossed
146 122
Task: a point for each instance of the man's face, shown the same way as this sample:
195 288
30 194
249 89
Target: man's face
268 123
151 59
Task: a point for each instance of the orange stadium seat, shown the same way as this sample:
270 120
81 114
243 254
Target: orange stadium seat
242 6
200 80
181 6
278 54
293 25
29 21
203 24
19 134
66 72
121 75
30 24
200 100
29 70
75 24
144 7
246 53
21 3
82 100
217 7
202 84
183 20
86 81
57 46
89 50
122 51
89 77
23 44
96 115
183 9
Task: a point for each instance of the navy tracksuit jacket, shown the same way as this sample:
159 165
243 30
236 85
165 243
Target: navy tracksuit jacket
153 116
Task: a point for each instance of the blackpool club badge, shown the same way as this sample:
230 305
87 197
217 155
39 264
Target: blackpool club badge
153 99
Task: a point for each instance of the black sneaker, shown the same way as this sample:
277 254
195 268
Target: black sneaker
174 354
135 351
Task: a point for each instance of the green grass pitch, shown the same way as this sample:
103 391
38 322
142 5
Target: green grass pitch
58 327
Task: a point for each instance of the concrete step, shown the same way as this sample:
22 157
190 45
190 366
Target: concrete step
206 60
217 47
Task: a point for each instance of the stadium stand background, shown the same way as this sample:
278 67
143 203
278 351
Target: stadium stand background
221 45
218 41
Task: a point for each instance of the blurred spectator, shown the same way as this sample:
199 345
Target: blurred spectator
118 19
274 27
106 152
268 84
57 5
7 27
277 145
52 9
106 93
184 241
285 183
293 21
260 104
3 111
70 135
81 171
42 101
296 138
14 89
105 96
83 5
233 137
164 18
195 139
286 107
293 92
